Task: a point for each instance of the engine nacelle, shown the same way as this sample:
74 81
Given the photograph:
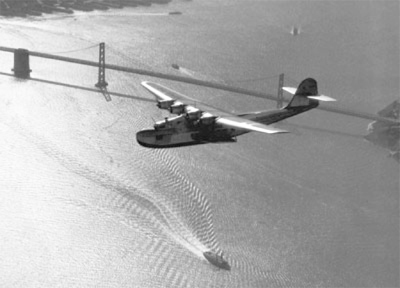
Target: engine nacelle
177 108
170 123
163 124
194 114
165 104
207 119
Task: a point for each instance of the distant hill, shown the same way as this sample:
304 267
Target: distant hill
24 8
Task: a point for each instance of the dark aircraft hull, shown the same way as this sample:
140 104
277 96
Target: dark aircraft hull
165 139
169 138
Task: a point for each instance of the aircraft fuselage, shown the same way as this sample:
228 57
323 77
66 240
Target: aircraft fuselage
182 131
273 116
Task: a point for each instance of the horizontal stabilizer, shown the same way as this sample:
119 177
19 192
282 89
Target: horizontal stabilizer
325 98
322 98
291 90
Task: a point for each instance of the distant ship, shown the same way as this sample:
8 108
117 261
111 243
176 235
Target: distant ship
295 31
175 13
217 260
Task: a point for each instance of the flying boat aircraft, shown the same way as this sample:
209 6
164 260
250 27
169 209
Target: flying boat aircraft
201 123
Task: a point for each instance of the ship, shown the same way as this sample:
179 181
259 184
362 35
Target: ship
295 31
217 260
175 13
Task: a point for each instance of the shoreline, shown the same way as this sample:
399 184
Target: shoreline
25 8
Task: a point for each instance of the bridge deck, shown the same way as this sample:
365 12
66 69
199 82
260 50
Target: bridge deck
334 109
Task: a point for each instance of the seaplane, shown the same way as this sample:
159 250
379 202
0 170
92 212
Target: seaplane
200 123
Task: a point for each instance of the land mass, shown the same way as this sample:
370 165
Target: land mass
24 8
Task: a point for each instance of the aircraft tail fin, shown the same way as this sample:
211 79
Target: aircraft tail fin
306 94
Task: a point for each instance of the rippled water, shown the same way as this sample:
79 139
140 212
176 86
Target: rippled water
82 204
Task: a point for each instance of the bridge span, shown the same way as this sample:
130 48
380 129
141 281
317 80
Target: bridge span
102 84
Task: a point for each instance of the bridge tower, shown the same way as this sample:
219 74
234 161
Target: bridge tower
279 103
102 84
21 63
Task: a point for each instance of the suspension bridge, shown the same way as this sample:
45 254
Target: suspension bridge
22 69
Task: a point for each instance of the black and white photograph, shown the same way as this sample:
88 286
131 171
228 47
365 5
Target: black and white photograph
199 143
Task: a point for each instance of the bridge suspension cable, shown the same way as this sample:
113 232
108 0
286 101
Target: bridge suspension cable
335 109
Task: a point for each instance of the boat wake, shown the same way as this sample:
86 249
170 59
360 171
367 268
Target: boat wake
184 219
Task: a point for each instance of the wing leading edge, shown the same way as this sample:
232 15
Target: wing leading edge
158 91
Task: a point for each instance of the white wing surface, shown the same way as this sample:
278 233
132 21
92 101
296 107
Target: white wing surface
244 124
159 91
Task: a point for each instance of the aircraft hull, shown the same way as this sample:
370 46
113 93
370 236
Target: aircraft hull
170 138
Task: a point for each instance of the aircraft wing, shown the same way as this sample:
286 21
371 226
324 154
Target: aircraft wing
223 118
161 92
245 124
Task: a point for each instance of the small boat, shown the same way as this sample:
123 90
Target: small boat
175 13
217 260
295 31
